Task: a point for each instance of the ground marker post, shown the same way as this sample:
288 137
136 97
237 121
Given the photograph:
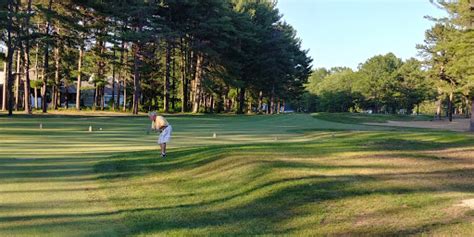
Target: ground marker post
41 126
90 128
214 135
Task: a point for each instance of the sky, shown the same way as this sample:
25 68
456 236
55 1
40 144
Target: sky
348 32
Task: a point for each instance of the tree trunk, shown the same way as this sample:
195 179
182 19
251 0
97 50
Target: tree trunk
102 98
472 114
450 106
260 102
9 79
66 97
173 79
230 104
5 83
240 110
36 76
184 81
101 75
96 94
27 88
96 97
124 94
225 101
212 104
438 109
267 109
17 80
197 83
58 96
467 108
136 80
278 106
166 89
272 100
125 84
113 81
191 74
46 62
10 52
36 97
120 76
205 102
56 86
79 78
119 89
44 103
249 105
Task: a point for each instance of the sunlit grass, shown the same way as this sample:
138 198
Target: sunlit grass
288 174
358 118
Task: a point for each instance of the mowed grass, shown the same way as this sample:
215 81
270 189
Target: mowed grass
360 118
285 174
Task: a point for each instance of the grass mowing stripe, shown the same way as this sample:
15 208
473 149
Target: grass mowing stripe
317 178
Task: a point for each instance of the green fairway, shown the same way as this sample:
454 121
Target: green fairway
360 118
281 174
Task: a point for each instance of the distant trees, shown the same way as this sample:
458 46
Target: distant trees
377 82
384 83
188 56
412 87
448 52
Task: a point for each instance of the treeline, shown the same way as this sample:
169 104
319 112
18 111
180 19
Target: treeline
385 83
382 84
168 55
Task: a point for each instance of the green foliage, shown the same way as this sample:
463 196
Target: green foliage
412 85
453 39
241 45
382 84
386 84
377 81
336 91
448 52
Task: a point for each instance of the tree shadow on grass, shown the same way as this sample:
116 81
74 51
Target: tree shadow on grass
72 169
263 207
265 204
142 162
266 214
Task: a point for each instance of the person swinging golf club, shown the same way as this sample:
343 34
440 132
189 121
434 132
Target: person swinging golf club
159 124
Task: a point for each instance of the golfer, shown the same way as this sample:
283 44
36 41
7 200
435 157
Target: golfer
159 124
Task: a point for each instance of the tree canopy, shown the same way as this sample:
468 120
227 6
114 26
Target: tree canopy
199 56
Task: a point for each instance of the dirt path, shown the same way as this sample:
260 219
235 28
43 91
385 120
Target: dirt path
459 125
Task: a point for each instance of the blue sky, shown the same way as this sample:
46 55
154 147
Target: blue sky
347 32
